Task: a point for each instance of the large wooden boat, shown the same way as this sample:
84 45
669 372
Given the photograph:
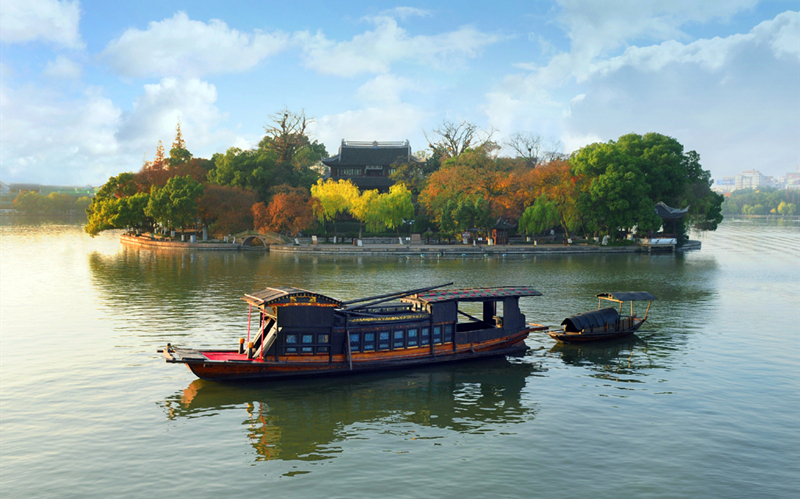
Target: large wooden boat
604 323
301 333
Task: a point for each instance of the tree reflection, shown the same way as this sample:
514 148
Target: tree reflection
304 420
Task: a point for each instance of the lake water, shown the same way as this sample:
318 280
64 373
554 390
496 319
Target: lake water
707 406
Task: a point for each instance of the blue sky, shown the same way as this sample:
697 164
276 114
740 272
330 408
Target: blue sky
88 88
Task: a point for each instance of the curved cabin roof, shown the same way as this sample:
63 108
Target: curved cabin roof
628 296
287 296
471 294
595 318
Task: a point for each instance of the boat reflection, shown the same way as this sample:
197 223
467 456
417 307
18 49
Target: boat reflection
304 420
623 360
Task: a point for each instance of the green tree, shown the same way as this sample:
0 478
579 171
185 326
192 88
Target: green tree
103 212
542 215
178 155
624 179
175 204
29 202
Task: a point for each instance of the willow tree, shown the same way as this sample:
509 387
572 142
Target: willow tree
334 198
396 207
367 209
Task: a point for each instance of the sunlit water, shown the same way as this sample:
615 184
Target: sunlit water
707 406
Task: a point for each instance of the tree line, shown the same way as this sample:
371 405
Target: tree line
462 183
31 202
764 201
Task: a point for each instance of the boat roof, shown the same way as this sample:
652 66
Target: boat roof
595 318
628 296
471 294
289 296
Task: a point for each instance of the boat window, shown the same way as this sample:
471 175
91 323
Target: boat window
425 336
355 342
383 343
369 342
308 338
322 338
437 334
448 333
322 349
412 338
399 340
291 338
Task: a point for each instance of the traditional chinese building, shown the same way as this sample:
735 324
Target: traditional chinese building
369 164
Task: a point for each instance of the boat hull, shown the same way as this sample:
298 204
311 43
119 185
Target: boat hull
584 337
234 370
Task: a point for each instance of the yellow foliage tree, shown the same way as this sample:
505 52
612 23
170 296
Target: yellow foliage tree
334 198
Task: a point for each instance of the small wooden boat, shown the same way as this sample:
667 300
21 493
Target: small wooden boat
302 333
604 323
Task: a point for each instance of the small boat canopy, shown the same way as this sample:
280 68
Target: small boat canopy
472 294
595 318
289 296
628 296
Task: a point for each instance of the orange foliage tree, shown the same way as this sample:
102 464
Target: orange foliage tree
291 211
226 210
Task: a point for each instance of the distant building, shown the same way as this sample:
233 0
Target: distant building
727 184
369 164
751 179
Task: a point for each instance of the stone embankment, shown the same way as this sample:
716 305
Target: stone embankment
454 250
146 242
421 250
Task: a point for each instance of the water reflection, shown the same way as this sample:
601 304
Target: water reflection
304 420
625 360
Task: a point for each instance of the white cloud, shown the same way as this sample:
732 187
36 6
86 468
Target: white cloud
781 34
386 88
46 20
63 67
49 139
406 12
596 26
156 112
375 51
179 46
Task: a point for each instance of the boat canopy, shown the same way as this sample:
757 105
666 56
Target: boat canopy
287 296
471 294
628 296
595 318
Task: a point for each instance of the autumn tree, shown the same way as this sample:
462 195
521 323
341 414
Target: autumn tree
226 210
334 198
290 212
474 173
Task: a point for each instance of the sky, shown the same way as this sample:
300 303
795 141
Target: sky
88 88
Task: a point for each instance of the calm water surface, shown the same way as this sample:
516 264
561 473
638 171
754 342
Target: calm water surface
707 406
